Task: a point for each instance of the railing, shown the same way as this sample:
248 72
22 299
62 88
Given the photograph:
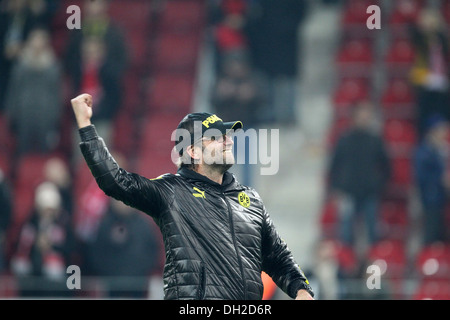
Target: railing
86 287
151 288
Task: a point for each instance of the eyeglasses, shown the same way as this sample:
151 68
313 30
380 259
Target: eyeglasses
219 139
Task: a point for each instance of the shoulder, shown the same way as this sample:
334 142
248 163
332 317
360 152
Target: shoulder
166 178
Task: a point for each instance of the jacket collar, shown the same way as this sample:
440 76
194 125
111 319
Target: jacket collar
229 180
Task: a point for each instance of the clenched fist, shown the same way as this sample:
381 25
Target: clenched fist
82 107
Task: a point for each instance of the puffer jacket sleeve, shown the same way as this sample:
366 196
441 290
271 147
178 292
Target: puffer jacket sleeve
130 188
279 263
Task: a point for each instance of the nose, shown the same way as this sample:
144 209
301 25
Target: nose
228 139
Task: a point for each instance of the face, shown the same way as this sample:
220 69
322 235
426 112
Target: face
429 21
96 9
440 135
93 50
363 116
38 40
217 152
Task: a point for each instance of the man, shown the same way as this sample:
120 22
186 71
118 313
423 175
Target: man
217 235
431 177
358 173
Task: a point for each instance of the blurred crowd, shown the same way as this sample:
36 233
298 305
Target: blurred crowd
389 167
38 78
257 54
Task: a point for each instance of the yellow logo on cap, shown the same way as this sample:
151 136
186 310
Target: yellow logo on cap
211 120
244 199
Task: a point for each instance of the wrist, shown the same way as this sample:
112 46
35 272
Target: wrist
82 123
301 286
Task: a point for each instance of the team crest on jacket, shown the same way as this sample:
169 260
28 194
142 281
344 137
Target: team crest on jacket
244 199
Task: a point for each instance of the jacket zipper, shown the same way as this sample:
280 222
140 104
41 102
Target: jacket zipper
202 287
233 236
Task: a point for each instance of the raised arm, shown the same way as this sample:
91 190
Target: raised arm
130 188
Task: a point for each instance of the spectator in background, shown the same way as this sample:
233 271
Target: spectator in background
273 33
44 248
17 19
96 59
430 72
238 92
229 32
125 252
358 172
34 97
432 178
56 170
326 270
5 217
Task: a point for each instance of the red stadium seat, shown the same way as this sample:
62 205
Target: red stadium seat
124 133
183 16
152 164
354 17
346 258
176 53
433 261
404 13
401 176
400 57
401 51
155 157
5 165
348 92
355 58
329 219
7 139
158 128
400 136
446 11
132 93
171 94
432 290
133 16
9 287
138 50
394 220
398 101
390 256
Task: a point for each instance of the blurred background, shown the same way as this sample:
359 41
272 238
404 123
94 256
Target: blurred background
362 116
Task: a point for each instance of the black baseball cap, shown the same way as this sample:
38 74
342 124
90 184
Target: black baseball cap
202 124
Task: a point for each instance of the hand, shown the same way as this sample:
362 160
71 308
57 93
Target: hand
82 107
303 295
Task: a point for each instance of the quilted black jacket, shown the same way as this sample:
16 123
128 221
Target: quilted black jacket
217 238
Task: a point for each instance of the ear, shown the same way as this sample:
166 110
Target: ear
194 152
